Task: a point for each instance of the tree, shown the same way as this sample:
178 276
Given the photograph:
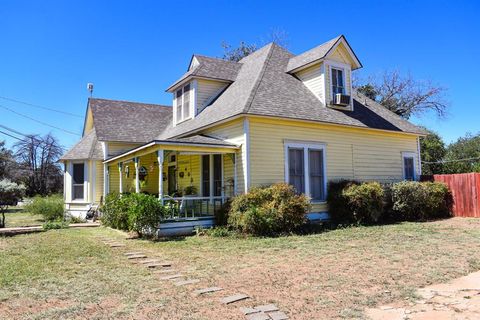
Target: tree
463 155
7 162
244 49
404 95
10 193
37 157
432 153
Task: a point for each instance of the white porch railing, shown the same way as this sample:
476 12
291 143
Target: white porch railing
189 207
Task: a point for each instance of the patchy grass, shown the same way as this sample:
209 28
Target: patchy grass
18 217
336 274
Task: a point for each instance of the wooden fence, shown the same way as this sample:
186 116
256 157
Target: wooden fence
465 189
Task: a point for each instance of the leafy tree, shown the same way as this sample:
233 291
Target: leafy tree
404 95
432 150
10 193
37 157
7 162
467 150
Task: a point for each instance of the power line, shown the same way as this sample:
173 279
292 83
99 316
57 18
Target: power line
28 136
41 122
11 136
41 107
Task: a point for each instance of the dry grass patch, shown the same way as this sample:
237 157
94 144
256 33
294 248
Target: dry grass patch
336 274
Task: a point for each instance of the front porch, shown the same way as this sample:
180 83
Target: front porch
192 180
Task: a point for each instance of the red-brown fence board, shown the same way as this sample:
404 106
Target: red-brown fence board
465 188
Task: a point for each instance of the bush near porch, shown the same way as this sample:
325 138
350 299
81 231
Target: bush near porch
133 212
352 202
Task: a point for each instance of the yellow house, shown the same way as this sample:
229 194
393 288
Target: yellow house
271 117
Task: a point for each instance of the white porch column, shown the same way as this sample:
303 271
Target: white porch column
235 174
137 178
105 180
120 177
211 177
160 155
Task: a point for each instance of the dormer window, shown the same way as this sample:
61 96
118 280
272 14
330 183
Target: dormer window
338 81
182 98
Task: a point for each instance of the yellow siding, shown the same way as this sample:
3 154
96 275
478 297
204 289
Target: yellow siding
350 153
206 90
341 55
233 132
88 122
115 148
98 181
313 78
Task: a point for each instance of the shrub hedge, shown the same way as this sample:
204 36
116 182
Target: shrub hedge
52 208
351 202
268 210
132 212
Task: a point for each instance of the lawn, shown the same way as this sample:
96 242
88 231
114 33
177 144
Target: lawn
18 217
336 274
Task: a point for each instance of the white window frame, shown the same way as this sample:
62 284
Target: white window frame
410 155
331 64
191 108
306 146
85 180
343 79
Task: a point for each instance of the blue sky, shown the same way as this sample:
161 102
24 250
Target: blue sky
132 50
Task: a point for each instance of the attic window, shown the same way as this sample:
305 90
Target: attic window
338 83
182 98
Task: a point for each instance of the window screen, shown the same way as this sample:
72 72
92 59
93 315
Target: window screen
296 169
78 178
317 182
409 168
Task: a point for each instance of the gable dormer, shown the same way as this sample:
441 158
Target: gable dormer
205 79
326 71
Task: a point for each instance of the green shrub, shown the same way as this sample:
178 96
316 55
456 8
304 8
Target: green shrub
219 232
115 211
269 210
10 193
52 208
221 215
132 212
338 208
144 213
51 225
420 200
365 201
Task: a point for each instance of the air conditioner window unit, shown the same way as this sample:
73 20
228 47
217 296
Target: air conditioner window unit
341 99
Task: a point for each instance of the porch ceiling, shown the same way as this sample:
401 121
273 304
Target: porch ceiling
196 144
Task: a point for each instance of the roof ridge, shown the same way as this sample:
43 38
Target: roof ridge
130 101
253 93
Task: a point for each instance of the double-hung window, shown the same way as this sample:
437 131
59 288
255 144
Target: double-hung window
305 169
338 85
78 181
408 165
182 96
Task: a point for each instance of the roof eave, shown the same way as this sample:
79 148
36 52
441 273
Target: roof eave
177 84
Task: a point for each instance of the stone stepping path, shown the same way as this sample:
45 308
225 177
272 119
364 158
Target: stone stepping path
171 277
186 282
261 312
207 290
158 264
234 298
137 256
134 253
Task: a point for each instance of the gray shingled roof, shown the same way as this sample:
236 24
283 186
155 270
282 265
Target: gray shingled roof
87 148
262 87
126 121
317 53
202 139
212 68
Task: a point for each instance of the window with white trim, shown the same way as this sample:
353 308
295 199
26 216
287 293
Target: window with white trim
305 169
78 181
338 81
408 160
182 102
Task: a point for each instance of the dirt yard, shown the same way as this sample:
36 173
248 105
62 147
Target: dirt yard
336 274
